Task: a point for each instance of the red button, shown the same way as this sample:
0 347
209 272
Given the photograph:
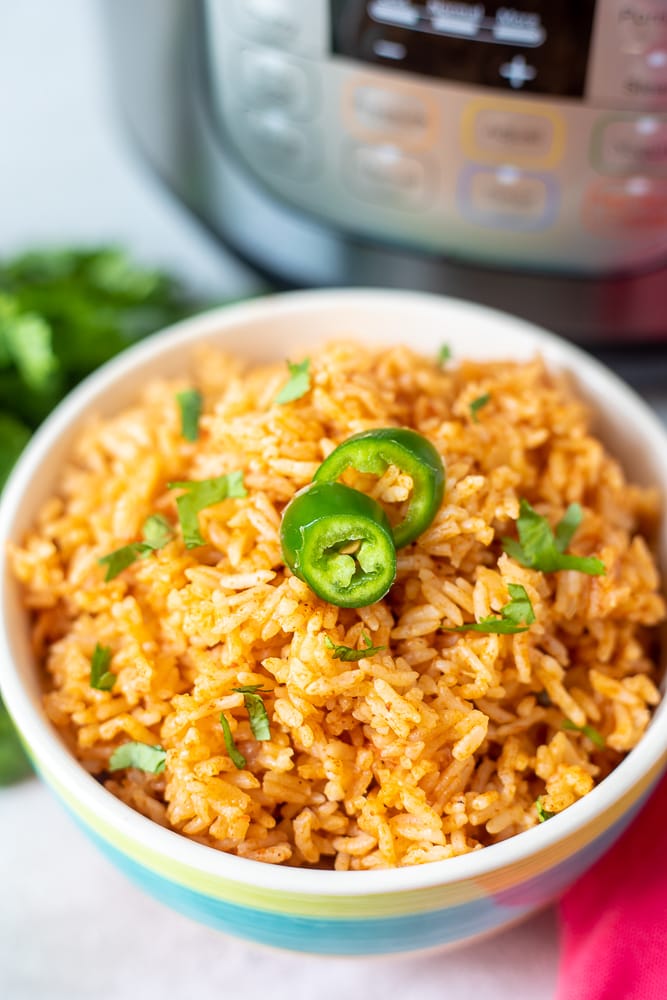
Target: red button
632 206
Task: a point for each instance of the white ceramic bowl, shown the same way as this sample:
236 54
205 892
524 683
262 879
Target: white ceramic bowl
325 911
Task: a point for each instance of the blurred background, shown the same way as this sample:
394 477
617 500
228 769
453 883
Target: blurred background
67 174
95 251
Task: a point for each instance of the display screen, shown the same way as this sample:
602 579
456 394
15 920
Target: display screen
530 45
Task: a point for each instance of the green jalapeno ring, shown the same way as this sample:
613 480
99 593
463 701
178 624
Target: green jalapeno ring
339 541
373 451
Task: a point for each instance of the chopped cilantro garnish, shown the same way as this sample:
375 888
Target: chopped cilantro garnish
156 532
143 756
539 548
477 405
190 402
101 677
444 355
297 384
517 616
200 494
120 559
348 654
257 714
593 735
567 526
237 758
543 814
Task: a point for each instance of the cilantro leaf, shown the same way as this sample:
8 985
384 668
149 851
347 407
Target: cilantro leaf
237 758
477 405
256 709
101 677
200 494
593 735
190 402
516 616
28 341
157 531
297 384
567 526
539 548
121 558
542 814
350 655
444 355
143 756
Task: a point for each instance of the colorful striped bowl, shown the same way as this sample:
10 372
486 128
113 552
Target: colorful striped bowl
344 913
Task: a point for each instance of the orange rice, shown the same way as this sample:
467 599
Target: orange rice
438 745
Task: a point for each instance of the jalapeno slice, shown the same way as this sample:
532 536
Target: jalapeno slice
374 451
339 541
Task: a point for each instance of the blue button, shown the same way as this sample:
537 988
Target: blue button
505 197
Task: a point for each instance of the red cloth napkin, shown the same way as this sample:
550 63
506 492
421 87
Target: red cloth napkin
614 919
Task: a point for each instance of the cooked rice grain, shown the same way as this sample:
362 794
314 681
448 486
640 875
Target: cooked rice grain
435 746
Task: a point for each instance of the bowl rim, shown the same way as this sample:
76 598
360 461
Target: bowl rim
44 742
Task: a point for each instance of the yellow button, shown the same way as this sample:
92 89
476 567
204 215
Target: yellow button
521 134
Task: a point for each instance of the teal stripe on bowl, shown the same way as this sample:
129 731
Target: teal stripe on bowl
367 936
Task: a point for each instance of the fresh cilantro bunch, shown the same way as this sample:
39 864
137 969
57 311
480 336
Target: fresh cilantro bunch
63 312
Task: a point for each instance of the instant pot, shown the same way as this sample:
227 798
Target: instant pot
513 154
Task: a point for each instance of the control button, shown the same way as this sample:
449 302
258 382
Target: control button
507 198
515 27
631 145
640 24
389 110
287 24
268 20
386 174
277 145
636 30
634 206
458 20
270 79
386 49
517 72
529 135
377 113
646 77
394 12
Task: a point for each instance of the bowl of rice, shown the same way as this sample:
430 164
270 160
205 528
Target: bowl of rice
424 764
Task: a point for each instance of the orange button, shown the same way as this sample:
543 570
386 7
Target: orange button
400 114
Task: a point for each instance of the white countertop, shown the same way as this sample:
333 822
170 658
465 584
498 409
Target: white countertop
71 926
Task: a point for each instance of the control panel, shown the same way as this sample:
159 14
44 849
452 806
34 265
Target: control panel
529 134
533 46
